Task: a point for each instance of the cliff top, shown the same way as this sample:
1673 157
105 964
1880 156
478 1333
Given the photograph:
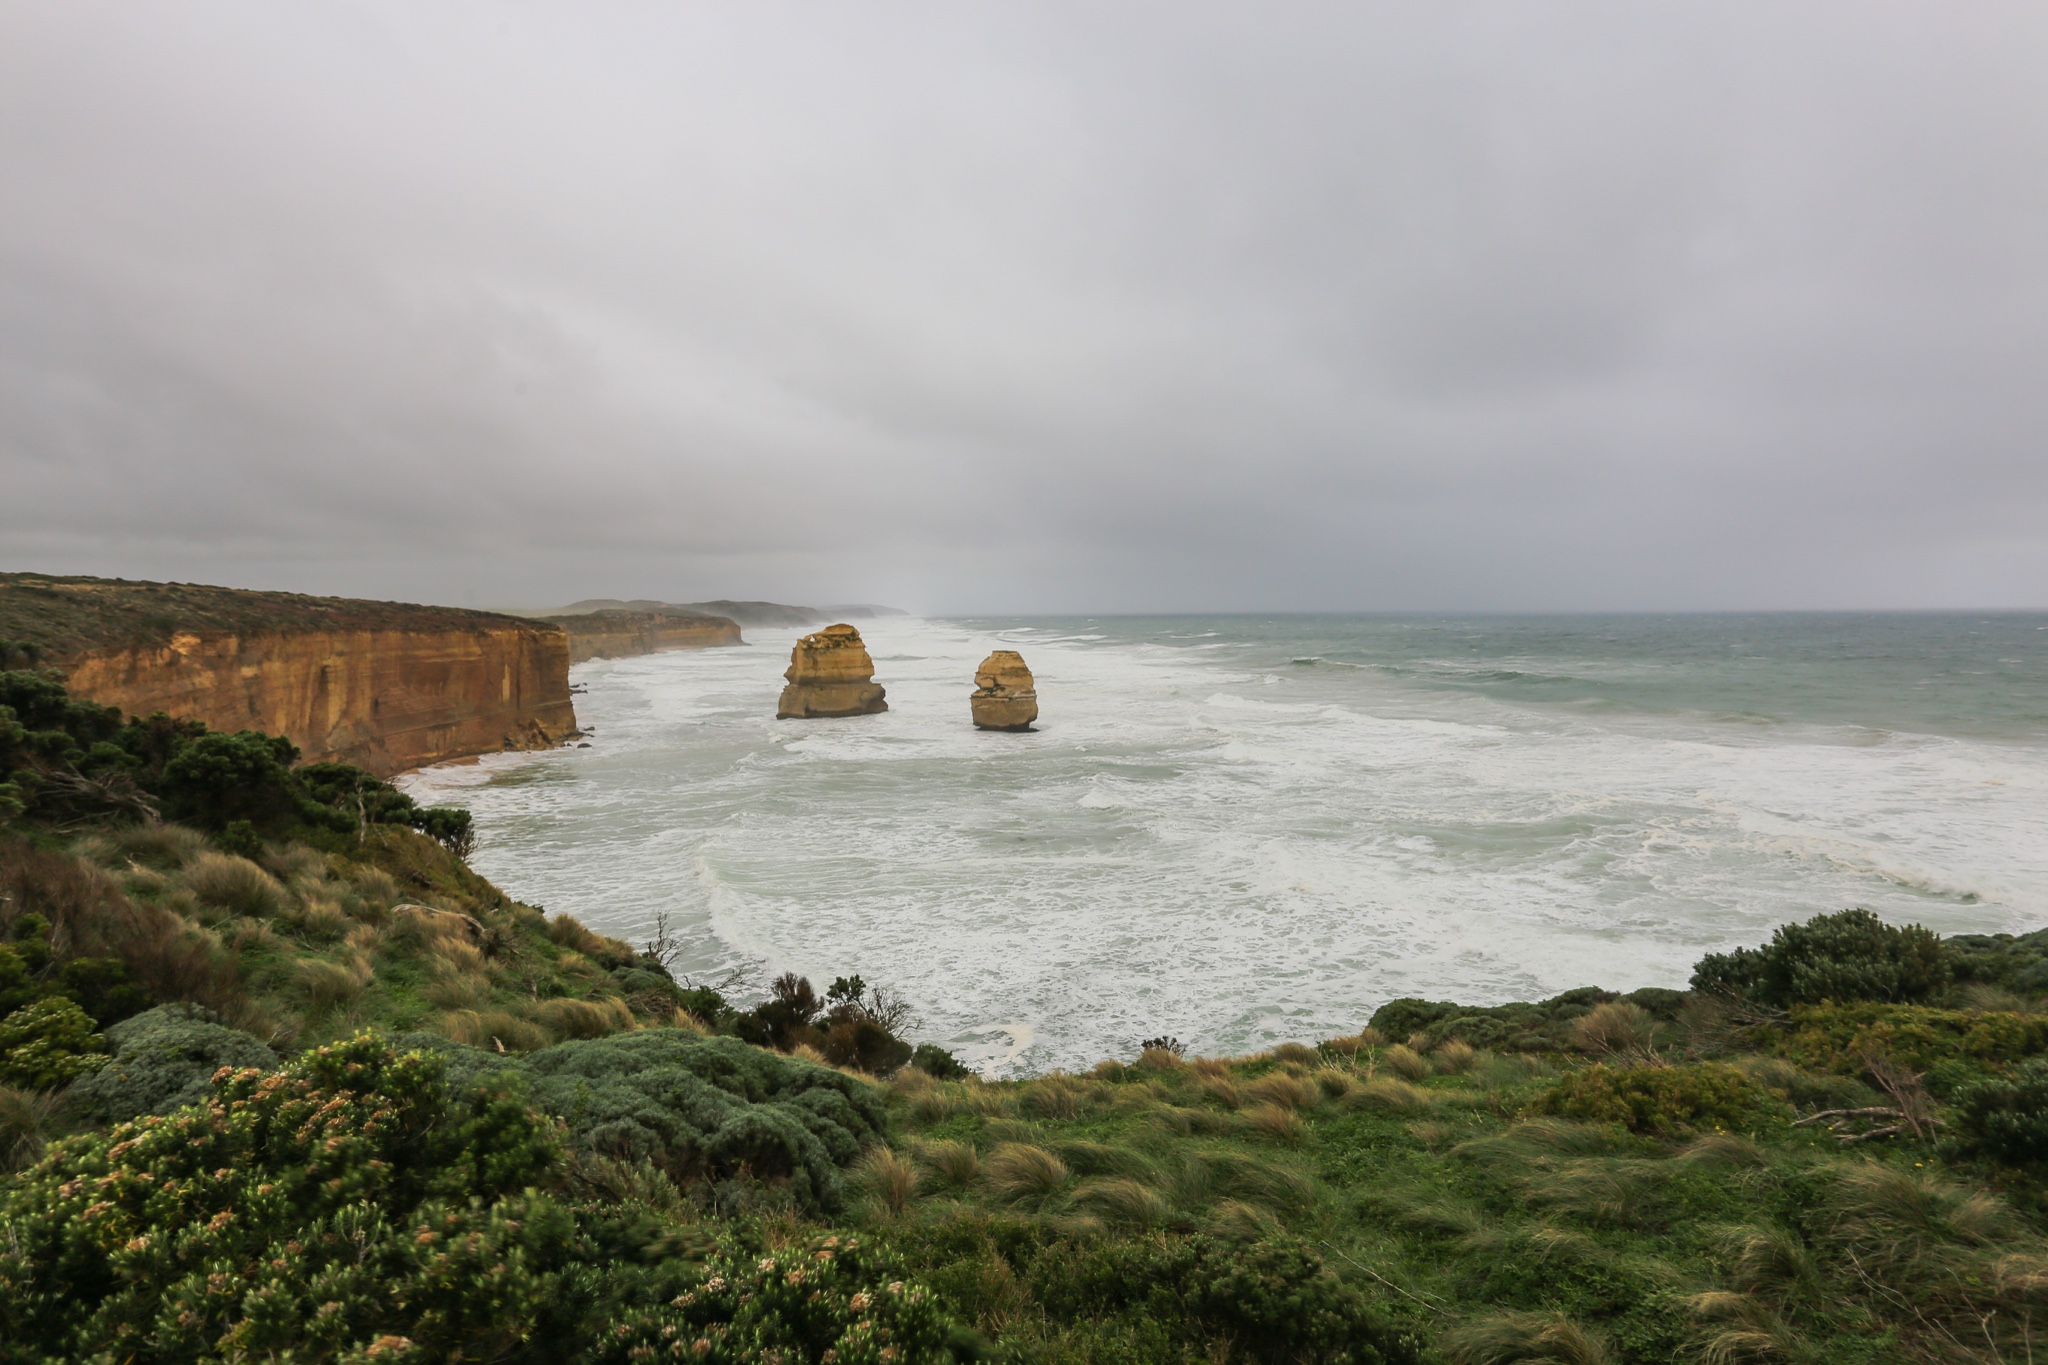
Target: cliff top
744 613
63 615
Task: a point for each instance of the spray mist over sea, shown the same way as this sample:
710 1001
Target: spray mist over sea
1243 830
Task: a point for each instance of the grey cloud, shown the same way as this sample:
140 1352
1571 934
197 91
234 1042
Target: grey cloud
1009 307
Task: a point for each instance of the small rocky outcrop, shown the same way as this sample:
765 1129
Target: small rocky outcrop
1005 694
830 674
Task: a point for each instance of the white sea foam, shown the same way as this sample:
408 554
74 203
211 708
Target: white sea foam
1201 846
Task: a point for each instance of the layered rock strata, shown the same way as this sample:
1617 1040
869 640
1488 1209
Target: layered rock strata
1005 694
387 686
830 674
623 634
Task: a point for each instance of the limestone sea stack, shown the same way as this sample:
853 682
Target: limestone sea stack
830 674
1005 694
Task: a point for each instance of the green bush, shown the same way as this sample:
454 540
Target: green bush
1661 1099
699 1107
1839 1037
304 1214
938 1062
165 1059
1849 956
1262 1301
833 1300
2005 1118
1541 1026
48 1044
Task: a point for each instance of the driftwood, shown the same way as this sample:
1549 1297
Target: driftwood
1901 1122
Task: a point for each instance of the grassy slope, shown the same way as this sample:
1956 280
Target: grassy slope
61 616
1420 1179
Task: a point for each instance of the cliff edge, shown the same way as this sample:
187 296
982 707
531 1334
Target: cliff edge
384 685
613 634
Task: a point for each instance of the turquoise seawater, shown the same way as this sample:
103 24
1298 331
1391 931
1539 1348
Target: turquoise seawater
1239 830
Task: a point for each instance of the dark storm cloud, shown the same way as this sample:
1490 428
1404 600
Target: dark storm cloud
1022 307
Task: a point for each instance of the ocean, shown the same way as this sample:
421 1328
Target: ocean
1240 830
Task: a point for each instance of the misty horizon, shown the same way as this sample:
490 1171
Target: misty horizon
1115 309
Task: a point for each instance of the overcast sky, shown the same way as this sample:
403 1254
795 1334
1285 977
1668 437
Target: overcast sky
1022 307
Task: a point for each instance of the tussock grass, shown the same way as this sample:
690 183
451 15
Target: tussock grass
1057 1096
1284 1091
1106 1158
1210 1068
1722 1151
452 989
329 983
28 1120
1020 1171
1225 1091
1298 1053
1406 1062
889 1179
1454 1057
233 886
1389 1095
571 1018
1524 1339
1617 1193
1614 1029
955 1162
497 1030
1122 1202
1236 1220
1160 1059
1275 1122
1334 1081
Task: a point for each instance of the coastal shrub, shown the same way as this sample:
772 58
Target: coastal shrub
47 1044
698 1107
2004 1119
1844 957
1661 1099
1266 1301
348 1198
165 1059
938 1062
835 1299
219 777
1521 1026
1839 1038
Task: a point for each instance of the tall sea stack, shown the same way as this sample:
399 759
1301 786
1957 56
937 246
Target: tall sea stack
1005 694
830 674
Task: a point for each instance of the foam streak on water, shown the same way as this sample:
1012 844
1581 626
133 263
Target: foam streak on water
1239 832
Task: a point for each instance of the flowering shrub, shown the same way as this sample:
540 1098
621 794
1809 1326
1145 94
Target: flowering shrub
832 1302
1661 1099
341 1200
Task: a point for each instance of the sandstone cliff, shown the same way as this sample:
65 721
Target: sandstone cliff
830 674
623 634
1005 694
385 685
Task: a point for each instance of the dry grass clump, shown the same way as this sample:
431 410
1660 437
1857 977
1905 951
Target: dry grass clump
1389 1094
887 1178
329 983
1274 1121
378 889
1057 1096
233 886
1109 1069
1289 1092
1020 1171
1406 1062
1210 1068
1723 1151
294 862
1123 1202
454 989
570 1018
1236 1220
1613 1029
1225 1091
1351 1044
1161 1059
956 1162
1528 1338
1454 1057
1617 1193
28 1120
950 1099
166 848
569 932
497 1030
1334 1081
1297 1053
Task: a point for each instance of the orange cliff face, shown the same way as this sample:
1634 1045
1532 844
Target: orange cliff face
623 634
385 686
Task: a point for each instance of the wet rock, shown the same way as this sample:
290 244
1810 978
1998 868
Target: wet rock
830 674
1005 694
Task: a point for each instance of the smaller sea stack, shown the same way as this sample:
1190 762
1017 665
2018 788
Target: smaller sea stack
1005 694
830 674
